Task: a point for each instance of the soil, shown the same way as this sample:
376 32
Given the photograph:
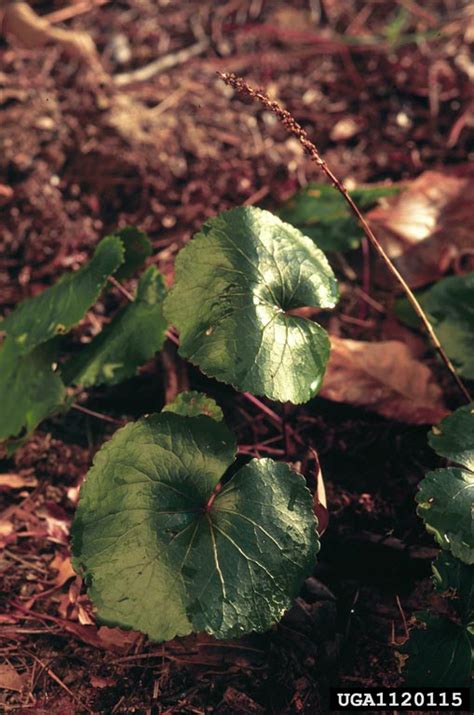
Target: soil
383 89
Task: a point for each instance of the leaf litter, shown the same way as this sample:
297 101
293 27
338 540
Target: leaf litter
77 165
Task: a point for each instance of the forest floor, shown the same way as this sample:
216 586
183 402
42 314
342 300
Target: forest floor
383 87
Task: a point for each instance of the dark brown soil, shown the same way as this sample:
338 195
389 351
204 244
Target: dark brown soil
76 160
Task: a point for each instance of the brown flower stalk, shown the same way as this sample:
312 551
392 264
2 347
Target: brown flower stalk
290 123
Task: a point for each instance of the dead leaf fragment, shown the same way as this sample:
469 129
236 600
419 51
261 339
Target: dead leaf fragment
17 481
10 679
428 227
385 378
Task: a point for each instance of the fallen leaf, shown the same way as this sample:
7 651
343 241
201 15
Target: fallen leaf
427 228
10 679
98 682
17 481
62 564
383 377
116 639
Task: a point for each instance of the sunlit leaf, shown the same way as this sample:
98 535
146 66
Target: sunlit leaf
236 282
193 404
135 334
163 551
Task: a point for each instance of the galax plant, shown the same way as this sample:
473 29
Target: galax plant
169 536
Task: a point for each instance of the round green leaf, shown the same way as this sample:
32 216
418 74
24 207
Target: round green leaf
445 503
235 283
440 654
165 552
453 438
193 404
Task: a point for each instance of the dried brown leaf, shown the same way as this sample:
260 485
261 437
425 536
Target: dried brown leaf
17 481
385 378
10 679
429 226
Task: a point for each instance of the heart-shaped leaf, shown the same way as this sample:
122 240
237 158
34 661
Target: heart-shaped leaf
321 213
193 404
440 654
30 391
57 309
445 500
235 283
448 305
453 438
164 551
135 334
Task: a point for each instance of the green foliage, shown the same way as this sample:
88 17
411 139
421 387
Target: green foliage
135 334
193 404
445 499
440 654
137 249
453 576
57 309
30 390
235 283
454 437
320 212
164 551
448 305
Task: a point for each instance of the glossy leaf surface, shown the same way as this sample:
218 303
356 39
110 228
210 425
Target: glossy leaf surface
164 552
236 282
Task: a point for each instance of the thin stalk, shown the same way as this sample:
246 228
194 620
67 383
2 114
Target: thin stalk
290 123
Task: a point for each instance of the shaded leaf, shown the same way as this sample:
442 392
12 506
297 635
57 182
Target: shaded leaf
448 305
161 556
234 283
320 212
137 247
445 503
193 404
383 377
57 309
135 334
29 389
428 225
440 654
454 437
450 574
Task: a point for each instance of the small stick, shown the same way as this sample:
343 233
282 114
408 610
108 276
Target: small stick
98 415
79 8
121 289
290 123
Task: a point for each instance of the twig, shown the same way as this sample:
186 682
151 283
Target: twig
98 415
121 289
79 8
161 64
297 130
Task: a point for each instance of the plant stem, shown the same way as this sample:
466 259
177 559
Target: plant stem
297 130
